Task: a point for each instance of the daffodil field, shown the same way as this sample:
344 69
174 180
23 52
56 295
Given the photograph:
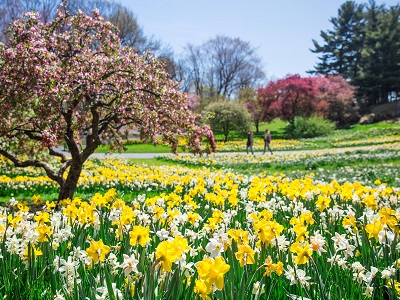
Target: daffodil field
210 232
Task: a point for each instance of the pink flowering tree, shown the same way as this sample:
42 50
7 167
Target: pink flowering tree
192 101
70 81
288 98
339 96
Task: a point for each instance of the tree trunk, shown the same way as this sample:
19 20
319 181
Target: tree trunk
257 123
68 188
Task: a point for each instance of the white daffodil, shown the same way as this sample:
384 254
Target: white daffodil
130 264
281 242
303 279
370 275
368 291
13 244
318 242
290 274
258 288
59 296
68 267
388 272
357 266
386 237
214 247
162 234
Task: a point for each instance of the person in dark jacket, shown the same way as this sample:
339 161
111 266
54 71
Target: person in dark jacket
250 142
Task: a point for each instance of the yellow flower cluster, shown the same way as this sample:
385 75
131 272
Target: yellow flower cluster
277 144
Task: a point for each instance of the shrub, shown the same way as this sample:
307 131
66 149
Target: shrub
309 127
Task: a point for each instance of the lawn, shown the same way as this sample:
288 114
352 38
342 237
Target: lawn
138 148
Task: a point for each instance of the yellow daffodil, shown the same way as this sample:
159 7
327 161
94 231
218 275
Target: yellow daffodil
212 271
245 255
44 233
202 289
303 251
350 221
271 267
373 229
323 202
42 217
127 215
267 230
13 221
139 235
370 202
50 205
167 253
37 199
97 251
240 236
31 252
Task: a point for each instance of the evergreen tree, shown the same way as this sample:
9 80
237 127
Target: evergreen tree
371 64
342 46
379 79
364 47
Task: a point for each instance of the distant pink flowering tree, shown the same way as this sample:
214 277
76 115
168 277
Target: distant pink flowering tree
288 98
69 80
331 97
192 101
339 96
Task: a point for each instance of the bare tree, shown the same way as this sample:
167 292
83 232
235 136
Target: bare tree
192 70
221 66
130 33
11 10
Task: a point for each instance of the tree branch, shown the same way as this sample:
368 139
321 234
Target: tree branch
63 157
33 163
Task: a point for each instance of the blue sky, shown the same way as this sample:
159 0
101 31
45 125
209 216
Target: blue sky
281 30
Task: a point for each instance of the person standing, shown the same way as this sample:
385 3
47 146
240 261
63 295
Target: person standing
267 141
250 142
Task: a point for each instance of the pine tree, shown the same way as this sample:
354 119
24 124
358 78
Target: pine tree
379 79
341 50
364 47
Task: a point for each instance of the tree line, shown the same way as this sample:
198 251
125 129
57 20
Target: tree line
359 57
364 47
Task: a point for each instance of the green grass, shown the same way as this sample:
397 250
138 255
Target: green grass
151 162
277 128
365 127
53 196
139 148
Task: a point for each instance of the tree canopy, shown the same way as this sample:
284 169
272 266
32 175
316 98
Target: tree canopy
364 47
227 116
295 96
70 80
288 97
222 66
130 32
